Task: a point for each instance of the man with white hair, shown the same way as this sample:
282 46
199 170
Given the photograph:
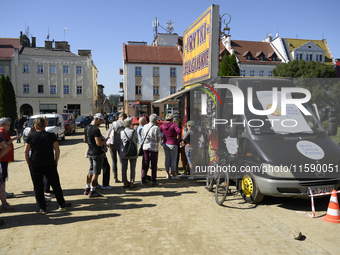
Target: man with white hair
151 136
7 145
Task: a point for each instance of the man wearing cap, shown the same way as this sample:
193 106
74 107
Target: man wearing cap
93 138
7 145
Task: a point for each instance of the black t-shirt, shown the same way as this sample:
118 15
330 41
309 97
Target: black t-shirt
91 131
42 146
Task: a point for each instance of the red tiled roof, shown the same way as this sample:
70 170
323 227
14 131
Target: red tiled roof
7 46
151 54
242 47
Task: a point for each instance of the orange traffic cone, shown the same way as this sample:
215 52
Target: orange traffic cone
333 209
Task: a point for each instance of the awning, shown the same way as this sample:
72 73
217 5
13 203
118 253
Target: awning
177 94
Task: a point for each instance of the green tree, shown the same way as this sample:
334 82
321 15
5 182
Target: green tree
319 83
229 66
114 100
8 104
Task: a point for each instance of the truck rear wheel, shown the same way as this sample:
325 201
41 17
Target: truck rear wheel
249 189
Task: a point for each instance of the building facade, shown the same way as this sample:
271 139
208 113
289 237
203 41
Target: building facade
152 72
254 58
53 79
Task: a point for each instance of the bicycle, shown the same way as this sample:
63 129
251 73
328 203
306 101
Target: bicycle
222 184
220 177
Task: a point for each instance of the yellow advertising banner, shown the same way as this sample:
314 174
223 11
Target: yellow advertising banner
197 49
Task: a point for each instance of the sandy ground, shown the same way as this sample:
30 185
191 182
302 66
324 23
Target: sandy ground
177 216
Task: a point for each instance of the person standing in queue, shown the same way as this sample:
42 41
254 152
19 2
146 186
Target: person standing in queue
117 126
43 162
6 143
93 138
151 136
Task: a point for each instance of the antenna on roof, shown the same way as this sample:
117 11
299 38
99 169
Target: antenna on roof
322 36
170 26
27 30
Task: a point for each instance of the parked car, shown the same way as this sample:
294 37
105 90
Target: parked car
112 117
83 121
69 122
55 125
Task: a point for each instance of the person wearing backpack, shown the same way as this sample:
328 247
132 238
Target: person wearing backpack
128 152
117 126
151 136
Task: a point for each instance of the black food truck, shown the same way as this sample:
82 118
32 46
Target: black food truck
274 143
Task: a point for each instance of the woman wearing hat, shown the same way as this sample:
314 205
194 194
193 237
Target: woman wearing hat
171 133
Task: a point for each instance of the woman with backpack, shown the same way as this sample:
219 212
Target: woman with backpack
129 139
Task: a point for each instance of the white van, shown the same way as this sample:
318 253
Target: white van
55 125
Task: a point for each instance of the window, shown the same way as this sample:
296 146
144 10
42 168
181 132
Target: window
138 90
138 71
172 90
66 89
252 73
298 56
65 69
172 71
40 69
52 69
41 89
261 58
79 71
261 73
319 58
26 88
26 69
53 89
1 70
309 57
270 73
243 73
155 90
156 71
274 59
248 57
79 90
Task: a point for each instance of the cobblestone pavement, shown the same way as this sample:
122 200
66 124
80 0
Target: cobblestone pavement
177 216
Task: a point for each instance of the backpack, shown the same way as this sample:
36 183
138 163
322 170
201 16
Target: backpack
130 148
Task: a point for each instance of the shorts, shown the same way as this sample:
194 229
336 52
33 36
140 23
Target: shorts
96 163
188 157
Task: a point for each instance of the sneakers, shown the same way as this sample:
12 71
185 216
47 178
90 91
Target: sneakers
7 207
86 191
9 195
183 175
95 194
107 187
191 178
175 177
64 206
43 211
168 176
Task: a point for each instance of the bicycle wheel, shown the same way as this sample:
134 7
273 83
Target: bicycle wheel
222 186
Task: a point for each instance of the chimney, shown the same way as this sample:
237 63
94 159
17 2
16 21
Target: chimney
34 42
48 45
84 52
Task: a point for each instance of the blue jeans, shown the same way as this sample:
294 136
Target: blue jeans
189 157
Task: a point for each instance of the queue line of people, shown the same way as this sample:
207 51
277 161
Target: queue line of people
42 154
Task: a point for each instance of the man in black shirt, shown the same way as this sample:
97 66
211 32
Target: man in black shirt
19 127
93 138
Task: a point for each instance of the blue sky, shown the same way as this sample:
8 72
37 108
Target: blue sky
103 26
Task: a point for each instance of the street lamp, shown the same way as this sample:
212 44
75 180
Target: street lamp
226 28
